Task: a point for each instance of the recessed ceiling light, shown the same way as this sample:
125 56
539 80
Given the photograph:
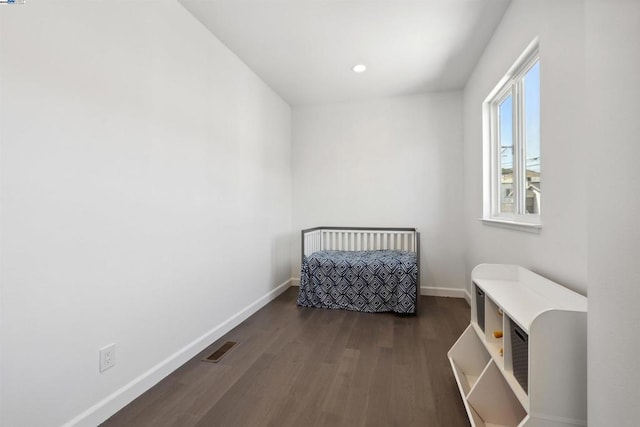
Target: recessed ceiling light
359 68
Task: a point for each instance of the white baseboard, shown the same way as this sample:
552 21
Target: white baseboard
425 290
444 292
467 296
122 397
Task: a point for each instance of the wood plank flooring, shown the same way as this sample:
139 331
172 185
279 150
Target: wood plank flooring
296 366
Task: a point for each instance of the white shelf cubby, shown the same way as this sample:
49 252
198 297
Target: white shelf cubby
539 379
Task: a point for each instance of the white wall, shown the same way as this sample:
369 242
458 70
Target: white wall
590 127
391 162
613 91
145 200
559 251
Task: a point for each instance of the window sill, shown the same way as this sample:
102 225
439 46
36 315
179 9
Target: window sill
512 225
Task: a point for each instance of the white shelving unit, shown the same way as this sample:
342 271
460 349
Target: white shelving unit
535 375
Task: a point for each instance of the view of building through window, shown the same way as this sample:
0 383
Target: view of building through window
505 111
529 114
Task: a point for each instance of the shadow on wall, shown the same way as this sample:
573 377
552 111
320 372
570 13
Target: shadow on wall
458 59
281 259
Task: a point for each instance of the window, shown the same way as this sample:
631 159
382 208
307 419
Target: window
513 185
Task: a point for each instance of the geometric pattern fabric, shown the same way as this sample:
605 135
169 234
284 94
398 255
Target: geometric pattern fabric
369 281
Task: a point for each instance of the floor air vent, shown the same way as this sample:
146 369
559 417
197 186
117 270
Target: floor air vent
219 353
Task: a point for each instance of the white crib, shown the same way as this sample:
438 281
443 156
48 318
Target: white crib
362 239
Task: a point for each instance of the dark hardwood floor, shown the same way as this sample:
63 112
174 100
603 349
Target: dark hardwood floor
298 366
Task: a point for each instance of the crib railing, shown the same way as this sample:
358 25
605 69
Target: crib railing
359 239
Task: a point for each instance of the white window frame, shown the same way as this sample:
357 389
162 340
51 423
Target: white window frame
511 84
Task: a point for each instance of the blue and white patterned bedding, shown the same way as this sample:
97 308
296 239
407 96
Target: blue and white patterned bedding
369 281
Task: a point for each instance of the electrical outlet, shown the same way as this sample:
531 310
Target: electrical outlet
107 357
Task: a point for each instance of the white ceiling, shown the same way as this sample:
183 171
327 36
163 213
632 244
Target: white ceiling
304 49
